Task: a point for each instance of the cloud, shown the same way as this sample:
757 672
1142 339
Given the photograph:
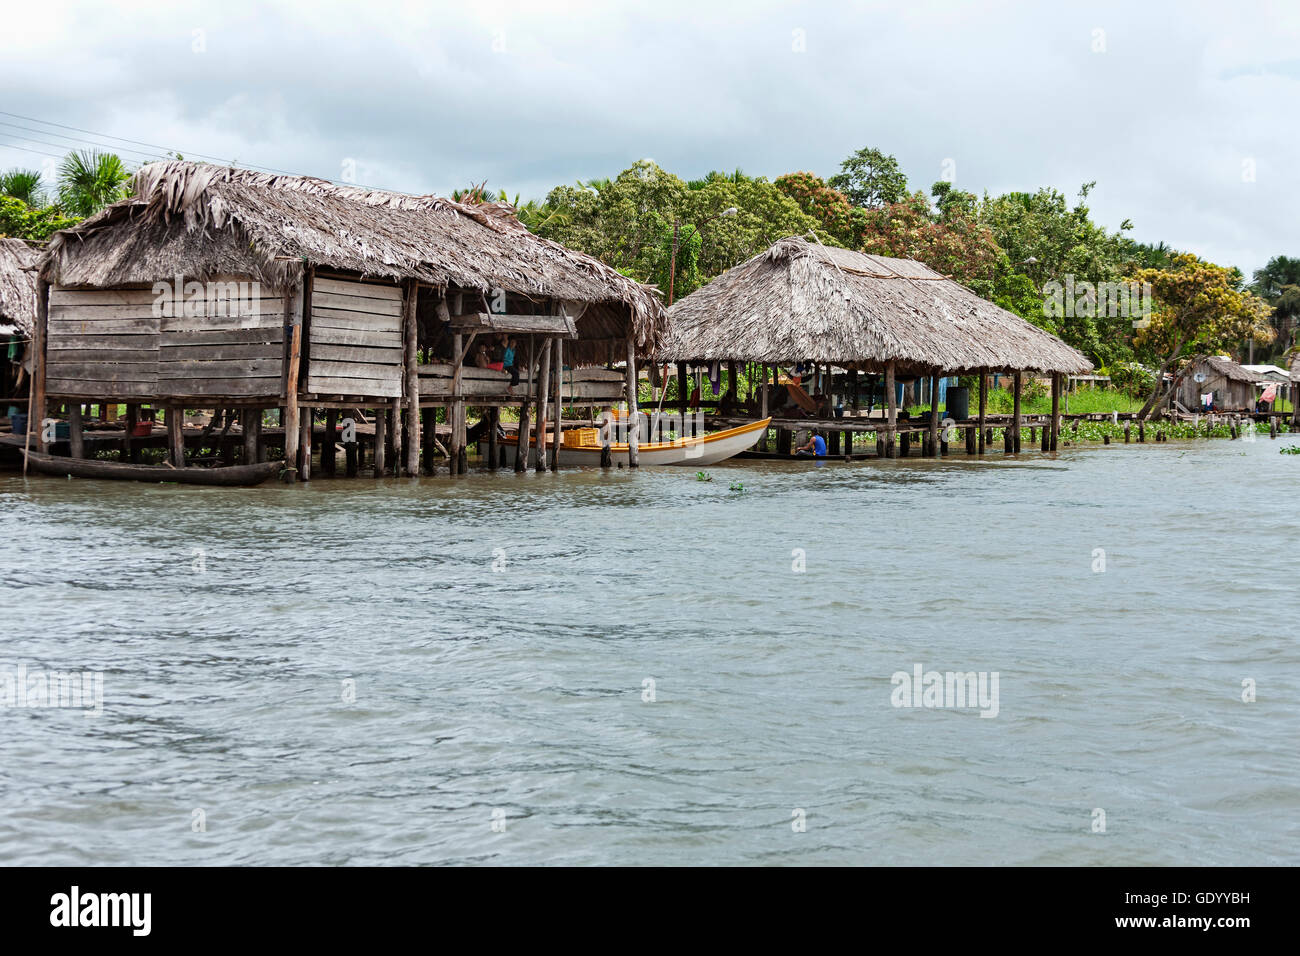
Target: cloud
1170 110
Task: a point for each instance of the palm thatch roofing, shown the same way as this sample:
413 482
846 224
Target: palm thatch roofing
802 301
203 220
18 283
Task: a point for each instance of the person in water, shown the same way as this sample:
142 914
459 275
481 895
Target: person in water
814 447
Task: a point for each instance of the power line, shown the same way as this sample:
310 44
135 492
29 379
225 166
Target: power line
76 141
149 157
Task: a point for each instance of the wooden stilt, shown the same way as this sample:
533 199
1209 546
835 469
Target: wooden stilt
395 436
983 409
633 414
521 451
129 450
1015 415
251 423
454 409
176 436
328 450
381 441
411 362
428 436
1056 409
543 402
891 436
557 438
304 450
76 441
970 439
290 414
934 416
494 416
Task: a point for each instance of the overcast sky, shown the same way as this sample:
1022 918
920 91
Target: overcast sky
1184 114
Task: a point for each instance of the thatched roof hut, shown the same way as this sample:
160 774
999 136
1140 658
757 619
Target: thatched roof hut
18 283
204 220
1230 386
800 301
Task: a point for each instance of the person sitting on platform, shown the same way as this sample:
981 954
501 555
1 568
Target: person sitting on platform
508 362
814 447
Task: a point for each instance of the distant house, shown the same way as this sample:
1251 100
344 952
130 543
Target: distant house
1230 386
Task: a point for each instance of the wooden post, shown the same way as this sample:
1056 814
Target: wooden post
328 452
304 449
984 407
633 436
970 439
521 452
853 384
381 441
494 415
395 435
252 427
428 436
176 436
891 437
543 401
454 409
1015 415
411 360
289 419
731 384
76 441
128 443
1056 409
934 416
558 437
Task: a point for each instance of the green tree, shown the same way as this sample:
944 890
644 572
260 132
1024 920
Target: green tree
1200 306
20 221
90 180
870 178
1278 283
24 184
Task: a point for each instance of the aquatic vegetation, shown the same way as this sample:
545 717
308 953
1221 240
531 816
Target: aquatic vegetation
738 487
703 476
1289 450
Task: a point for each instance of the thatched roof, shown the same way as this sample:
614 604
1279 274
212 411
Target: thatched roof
1227 368
201 220
18 283
803 301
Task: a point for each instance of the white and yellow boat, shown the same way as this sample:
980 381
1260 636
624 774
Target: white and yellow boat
581 446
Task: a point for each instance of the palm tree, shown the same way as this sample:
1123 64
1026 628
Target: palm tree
90 180
24 184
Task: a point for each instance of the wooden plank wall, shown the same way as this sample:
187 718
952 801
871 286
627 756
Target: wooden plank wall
355 341
238 352
112 343
102 343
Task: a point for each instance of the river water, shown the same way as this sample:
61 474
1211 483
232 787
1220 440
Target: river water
632 668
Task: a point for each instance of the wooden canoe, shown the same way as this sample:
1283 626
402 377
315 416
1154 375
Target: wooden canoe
697 451
229 476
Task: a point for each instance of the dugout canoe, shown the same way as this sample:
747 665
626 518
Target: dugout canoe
227 476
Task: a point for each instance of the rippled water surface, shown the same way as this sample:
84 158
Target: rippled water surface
520 690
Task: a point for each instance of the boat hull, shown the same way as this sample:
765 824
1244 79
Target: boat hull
690 452
228 476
